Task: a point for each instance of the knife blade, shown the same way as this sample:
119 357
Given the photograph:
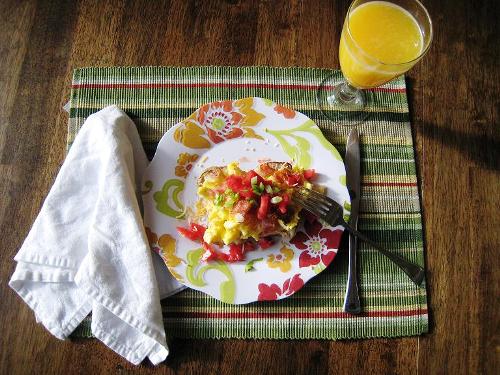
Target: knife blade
352 303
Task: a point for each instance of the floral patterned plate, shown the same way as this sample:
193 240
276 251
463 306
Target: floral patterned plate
247 130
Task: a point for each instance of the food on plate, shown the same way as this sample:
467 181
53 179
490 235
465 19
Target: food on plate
245 209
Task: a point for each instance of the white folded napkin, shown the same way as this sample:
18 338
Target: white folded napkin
88 251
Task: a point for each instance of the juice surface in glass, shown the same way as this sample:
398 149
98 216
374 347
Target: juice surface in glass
381 42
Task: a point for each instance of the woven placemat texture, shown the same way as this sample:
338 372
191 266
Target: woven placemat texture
157 98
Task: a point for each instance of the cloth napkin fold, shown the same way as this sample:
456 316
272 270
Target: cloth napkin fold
88 251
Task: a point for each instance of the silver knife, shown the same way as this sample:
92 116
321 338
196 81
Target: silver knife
352 304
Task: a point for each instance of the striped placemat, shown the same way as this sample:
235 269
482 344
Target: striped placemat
158 97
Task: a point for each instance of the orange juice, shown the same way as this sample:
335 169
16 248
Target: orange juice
379 41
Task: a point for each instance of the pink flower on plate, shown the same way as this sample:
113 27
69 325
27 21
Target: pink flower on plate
318 244
273 291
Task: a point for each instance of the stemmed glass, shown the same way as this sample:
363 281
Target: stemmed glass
380 41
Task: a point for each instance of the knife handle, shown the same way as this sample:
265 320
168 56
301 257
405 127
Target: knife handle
352 304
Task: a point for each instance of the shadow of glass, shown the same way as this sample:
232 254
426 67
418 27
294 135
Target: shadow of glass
481 148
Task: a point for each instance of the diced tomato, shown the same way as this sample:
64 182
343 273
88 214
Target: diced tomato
247 180
246 193
309 174
265 243
234 183
195 231
235 252
241 185
283 205
293 179
198 229
210 253
187 233
223 256
264 206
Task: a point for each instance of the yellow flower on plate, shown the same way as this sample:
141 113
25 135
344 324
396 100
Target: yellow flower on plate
250 116
282 260
191 135
184 164
165 247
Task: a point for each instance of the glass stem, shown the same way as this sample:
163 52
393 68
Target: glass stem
347 93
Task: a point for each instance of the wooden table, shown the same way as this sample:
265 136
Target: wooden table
454 101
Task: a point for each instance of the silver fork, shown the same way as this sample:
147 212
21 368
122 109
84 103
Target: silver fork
331 212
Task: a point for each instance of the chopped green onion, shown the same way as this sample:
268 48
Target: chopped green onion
254 180
261 186
276 189
276 200
219 199
231 200
269 189
249 266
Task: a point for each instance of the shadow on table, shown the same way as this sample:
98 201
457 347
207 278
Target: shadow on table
482 149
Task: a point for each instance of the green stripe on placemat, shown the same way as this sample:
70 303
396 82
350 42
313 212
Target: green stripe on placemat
156 98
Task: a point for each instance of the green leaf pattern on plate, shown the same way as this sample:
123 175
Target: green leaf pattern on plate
300 151
347 206
347 210
343 180
195 275
163 202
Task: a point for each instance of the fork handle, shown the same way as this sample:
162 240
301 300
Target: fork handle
414 272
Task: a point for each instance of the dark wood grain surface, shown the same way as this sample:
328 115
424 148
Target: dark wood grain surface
454 100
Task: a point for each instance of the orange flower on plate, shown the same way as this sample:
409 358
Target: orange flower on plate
286 112
220 120
282 261
227 119
184 164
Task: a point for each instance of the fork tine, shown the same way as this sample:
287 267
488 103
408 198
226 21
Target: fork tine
319 201
317 198
316 194
315 210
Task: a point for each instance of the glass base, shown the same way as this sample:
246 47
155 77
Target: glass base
342 103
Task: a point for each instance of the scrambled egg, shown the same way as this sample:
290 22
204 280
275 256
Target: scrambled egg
223 225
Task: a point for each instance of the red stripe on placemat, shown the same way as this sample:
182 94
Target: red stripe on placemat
389 184
296 315
208 85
